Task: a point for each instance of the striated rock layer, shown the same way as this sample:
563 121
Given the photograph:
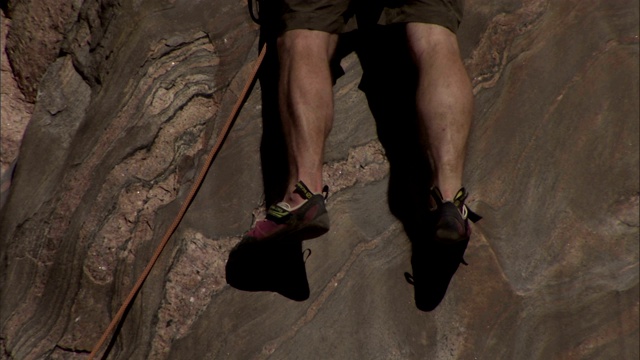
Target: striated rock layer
129 96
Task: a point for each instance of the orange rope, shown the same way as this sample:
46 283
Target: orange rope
185 205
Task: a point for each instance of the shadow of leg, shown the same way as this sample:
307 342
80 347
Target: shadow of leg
273 151
389 83
271 267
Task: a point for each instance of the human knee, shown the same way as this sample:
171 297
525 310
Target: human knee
430 40
302 42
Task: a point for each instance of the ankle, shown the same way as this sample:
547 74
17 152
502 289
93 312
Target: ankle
447 191
447 195
293 199
299 192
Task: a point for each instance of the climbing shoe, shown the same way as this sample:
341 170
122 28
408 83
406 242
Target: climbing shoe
284 223
451 217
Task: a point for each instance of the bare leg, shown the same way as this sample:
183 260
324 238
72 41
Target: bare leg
444 102
306 104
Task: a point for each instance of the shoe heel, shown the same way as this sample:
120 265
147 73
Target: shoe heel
447 236
318 227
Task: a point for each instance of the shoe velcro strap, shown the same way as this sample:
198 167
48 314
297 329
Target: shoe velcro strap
304 191
473 216
460 197
277 213
458 201
436 195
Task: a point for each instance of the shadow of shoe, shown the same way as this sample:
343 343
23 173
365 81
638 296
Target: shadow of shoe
433 265
277 268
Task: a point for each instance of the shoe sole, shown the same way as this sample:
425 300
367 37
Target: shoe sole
448 228
317 228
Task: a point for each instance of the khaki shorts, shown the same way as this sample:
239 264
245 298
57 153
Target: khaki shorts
339 16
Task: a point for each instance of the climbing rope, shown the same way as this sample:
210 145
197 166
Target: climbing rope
185 205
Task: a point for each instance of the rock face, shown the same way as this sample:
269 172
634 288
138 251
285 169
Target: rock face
16 111
130 95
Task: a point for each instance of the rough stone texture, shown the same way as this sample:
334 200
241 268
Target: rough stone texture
129 105
15 115
38 28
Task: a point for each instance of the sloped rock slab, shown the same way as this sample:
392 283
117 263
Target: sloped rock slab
124 118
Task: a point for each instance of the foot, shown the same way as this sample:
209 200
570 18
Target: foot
286 223
452 217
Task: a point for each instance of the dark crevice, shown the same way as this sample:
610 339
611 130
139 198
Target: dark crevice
71 350
4 6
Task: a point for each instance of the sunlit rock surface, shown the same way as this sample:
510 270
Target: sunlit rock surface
130 96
